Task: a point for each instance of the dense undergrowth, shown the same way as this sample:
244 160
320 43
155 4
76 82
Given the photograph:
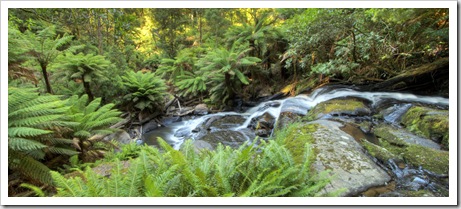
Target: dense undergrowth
264 170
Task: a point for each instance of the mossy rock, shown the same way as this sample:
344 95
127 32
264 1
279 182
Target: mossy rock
434 160
386 133
295 136
428 122
380 153
344 106
430 159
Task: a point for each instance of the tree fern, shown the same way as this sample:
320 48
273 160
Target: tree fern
91 120
31 119
145 91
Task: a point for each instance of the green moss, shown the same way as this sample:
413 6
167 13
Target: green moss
295 136
386 133
429 123
430 159
378 152
334 105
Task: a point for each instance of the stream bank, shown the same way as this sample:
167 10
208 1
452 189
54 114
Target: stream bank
375 143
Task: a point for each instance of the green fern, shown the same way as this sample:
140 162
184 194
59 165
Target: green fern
92 121
145 91
266 170
31 119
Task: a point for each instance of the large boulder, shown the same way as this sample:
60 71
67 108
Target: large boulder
415 150
225 137
352 170
428 122
350 106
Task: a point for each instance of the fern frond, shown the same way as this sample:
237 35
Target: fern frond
22 144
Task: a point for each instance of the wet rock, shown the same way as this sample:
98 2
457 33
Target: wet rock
296 105
286 118
346 106
352 171
151 125
226 137
224 122
183 132
394 113
430 159
268 105
429 123
401 137
169 120
380 153
263 132
201 109
121 136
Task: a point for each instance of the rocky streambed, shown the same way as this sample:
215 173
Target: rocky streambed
374 143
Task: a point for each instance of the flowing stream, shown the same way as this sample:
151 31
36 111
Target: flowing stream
175 133
234 128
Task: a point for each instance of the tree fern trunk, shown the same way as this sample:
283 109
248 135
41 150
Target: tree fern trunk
45 76
230 93
86 86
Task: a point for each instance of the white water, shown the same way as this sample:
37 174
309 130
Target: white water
299 104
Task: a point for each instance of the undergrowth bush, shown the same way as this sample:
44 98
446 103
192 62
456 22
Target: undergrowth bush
250 171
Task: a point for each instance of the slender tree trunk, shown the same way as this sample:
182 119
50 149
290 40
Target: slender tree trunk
200 28
99 35
354 53
229 89
86 86
45 76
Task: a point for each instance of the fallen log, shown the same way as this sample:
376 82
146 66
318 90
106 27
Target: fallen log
426 77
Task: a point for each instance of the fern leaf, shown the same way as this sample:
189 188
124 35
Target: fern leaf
22 144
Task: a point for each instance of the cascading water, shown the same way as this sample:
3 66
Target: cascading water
176 133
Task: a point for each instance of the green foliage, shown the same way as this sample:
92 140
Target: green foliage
38 192
17 55
263 171
92 123
127 152
191 84
45 46
84 68
32 120
145 91
226 67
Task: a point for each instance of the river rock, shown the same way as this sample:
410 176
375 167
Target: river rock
224 122
286 118
151 125
400 137
352 171
121 136
350 106
201 109
428 122
226 137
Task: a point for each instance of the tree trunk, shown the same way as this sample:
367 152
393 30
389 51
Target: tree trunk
86 86
99 35
229 89
45 76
